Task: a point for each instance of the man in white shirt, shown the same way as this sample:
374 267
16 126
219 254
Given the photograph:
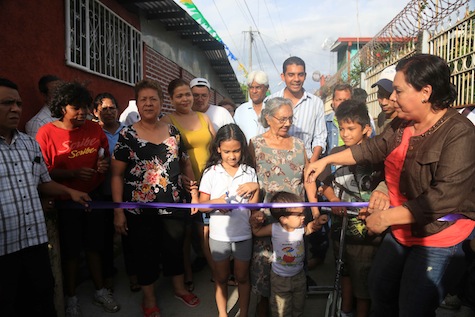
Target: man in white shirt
309 120
200 88
130 115
47 84
247 116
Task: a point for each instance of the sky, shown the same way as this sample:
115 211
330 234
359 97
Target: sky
294 28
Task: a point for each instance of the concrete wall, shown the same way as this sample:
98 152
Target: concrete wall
181 52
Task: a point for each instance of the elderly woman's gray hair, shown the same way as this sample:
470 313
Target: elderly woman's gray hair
271 107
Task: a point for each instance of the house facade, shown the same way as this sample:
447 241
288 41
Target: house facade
108 45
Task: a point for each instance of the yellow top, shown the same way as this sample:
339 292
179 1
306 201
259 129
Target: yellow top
197 144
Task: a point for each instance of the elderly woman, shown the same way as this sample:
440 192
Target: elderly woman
428 155
147 162
76 153
280 161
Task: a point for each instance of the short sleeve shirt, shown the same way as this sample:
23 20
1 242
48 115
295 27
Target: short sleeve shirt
234 225
22 169
153 170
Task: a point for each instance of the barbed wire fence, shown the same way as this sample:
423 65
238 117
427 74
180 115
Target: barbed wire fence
398 38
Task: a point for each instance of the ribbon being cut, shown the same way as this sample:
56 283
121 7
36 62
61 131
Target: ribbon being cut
131 205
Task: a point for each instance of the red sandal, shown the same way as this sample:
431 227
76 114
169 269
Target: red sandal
151 312
190 299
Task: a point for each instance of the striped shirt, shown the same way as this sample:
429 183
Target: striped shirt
22 169
309 121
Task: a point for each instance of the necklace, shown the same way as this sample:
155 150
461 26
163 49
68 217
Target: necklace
153 127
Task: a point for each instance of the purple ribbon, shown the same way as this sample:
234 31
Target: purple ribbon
452 217
133 205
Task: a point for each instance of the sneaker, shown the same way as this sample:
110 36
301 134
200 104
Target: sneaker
452 302
104 299
72 307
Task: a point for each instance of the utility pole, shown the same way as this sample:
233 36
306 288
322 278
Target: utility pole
251 40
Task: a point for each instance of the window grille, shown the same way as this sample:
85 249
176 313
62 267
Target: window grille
100 42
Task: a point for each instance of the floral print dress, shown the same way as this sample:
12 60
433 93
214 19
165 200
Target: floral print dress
153 170
277 170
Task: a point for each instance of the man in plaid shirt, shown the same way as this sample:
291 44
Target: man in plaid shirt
24 260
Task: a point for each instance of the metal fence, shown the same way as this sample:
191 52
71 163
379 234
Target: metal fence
457 46
426 27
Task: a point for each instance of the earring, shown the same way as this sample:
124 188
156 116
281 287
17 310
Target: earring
424 100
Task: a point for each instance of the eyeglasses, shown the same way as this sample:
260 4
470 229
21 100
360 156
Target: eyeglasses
296 214
258 88
284 120
111 109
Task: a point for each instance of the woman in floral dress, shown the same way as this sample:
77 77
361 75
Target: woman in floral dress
148 160
280 161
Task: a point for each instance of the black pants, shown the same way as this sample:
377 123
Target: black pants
26 283
468 298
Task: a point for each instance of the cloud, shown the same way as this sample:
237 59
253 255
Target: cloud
297 27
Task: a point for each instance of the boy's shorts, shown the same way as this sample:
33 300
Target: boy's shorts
357 259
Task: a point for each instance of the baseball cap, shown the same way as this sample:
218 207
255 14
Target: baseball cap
199 82
386 78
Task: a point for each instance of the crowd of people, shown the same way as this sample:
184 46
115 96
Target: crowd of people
414 167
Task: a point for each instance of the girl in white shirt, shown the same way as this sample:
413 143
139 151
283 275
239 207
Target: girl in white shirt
229 178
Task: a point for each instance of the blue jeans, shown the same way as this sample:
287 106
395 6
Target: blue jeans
408 281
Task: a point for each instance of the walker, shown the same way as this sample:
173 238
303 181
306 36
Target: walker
334 291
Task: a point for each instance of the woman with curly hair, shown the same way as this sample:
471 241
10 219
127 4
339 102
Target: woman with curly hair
76 153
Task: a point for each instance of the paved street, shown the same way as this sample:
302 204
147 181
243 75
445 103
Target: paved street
204 289
170 306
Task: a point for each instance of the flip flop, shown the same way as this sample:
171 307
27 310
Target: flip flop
190 299
151 312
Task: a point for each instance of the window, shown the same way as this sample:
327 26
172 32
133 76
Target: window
100 42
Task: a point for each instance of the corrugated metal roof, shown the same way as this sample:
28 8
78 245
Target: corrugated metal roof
175 19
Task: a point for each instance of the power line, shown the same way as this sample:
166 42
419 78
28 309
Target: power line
263 43
258 56
224 22
273 26
280 20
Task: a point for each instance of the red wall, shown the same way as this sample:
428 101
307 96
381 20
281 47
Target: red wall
32 44
32 41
